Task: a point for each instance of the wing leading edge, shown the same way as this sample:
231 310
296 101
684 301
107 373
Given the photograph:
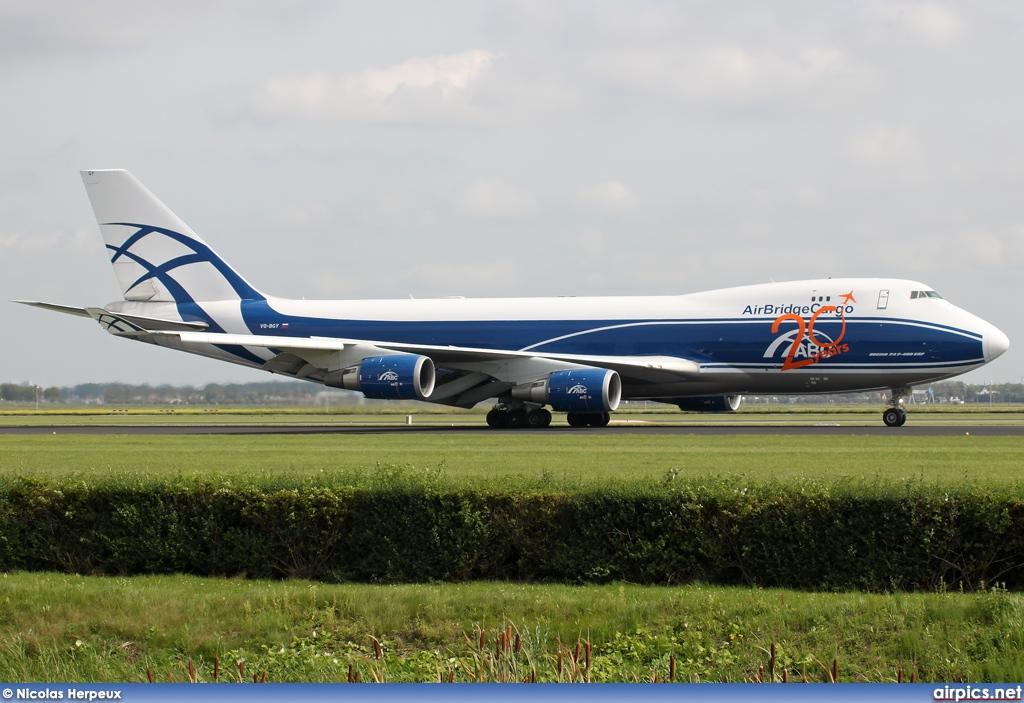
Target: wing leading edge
511 366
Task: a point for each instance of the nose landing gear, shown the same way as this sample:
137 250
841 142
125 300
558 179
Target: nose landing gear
896 416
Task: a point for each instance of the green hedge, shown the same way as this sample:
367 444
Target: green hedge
877 537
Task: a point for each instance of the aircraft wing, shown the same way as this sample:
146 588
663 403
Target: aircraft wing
653 369
642 368
477 373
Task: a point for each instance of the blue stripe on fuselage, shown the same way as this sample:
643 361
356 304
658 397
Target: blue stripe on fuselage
875 342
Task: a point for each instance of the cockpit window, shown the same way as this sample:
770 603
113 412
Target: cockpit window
924 294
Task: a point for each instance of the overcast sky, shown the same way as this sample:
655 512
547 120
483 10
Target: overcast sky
382 149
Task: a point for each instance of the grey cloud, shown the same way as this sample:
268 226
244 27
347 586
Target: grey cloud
608 196
495 199
417 90
927 22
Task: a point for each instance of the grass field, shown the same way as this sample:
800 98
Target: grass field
72 628
56 627
580 458
425 414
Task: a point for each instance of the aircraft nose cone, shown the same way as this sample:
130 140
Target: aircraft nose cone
995 343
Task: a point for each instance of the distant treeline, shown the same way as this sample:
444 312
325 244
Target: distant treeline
271 393
940 392
304 393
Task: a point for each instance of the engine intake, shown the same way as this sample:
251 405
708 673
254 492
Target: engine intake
709 403
392 377
579 390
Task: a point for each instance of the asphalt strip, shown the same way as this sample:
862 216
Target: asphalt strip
824 430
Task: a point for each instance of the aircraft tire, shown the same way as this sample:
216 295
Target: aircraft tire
598 419
903 417
537 419
497 419
576 419
516 418
894 417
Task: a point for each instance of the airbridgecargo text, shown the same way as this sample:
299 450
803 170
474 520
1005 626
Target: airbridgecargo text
795 309
73 694
977 693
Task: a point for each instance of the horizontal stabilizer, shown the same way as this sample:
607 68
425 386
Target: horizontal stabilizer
66 309
121 323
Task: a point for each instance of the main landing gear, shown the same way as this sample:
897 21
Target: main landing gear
534 417
896 416
577 419
516 417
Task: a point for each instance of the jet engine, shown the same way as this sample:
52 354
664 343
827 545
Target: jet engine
392 377
578 390
709 403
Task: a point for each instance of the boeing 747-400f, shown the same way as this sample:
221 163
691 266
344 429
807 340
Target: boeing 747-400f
581 356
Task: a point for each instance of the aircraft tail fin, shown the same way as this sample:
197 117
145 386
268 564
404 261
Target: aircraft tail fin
156 257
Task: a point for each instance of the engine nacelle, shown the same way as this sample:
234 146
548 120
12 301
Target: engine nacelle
392 377
578 390
710 403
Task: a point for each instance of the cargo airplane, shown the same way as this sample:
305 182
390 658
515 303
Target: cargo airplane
580 356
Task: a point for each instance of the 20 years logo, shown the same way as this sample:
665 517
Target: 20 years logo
809 346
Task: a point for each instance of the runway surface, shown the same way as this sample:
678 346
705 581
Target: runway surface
824 430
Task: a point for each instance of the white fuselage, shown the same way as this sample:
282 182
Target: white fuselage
827 335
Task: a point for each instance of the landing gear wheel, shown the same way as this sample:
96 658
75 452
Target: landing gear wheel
516 418
547 416
894 417
576 419
537 419
580 419
497 419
